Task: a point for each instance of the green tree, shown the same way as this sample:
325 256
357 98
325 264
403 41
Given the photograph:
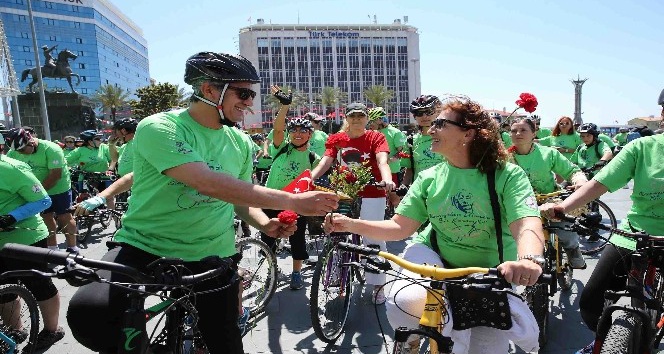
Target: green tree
379 95
299 100
109 96
330 97
154 99
183 96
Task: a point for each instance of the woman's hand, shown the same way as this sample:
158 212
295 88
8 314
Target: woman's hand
523 272
389 185
549 210
337 223
276 229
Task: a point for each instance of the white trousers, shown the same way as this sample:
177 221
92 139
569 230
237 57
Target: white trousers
405 305
373 209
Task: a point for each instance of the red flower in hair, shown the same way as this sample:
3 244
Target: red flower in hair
527 101
338 140
287 217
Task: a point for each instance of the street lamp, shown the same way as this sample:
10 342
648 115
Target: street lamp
113 113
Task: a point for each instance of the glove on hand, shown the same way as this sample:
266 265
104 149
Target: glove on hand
284 99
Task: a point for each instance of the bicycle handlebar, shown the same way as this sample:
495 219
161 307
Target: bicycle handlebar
594 220
433 272
43 255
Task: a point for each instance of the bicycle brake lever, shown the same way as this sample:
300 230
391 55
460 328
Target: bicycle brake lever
381 264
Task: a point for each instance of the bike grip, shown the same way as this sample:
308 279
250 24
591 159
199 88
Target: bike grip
358 249
36 254
544 278
563 217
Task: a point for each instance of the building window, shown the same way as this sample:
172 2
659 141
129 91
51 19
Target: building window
77 25
81 65
28 62
22 18
74 8
53 38
48 4
25 35
79 40
20 2
80 53
117 65
26 48
84 78
50 21
84 91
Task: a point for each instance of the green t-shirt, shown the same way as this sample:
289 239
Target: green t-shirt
456 201
90 159
288 165
126 159
422 155
507 139
395 139
264 162
168 218
621 138
543 133
567 141
643 161
539 164
66 152
48 156
19 186
586 156
605 138
317 142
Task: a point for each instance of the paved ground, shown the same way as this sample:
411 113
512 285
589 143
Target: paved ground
286 328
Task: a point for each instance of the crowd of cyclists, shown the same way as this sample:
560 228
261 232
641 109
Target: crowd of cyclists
471 179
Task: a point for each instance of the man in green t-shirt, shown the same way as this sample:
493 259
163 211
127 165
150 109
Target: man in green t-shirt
593 153
319 137
424 109
540 132
396 140
192 173
621 137
124 130
47 162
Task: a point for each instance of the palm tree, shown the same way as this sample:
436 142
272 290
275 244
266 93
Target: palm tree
379 95
299 99
110 97
330 97
183 96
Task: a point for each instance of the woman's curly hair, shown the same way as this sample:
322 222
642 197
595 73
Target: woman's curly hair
487 151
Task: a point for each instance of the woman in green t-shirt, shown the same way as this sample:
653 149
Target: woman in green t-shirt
593 153
564 137
455 198
642 160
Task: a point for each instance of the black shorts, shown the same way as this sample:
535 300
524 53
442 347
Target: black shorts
60 203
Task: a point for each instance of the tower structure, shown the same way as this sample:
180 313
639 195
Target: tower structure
578 84
8 84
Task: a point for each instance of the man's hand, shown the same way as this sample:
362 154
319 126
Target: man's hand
313 203
336 223
549 211
88 205
275 228
284 99
389 185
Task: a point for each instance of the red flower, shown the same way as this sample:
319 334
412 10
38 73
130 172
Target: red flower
527 101
403 155
350 178
338 140
511 149
343 169
287 217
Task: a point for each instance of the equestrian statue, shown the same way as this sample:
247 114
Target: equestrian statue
57 69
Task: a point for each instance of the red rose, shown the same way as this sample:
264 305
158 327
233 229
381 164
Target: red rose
527 101
287 217
403 155
338 140
511 149
350 178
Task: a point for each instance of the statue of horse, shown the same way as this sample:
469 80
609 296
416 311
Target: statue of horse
61 70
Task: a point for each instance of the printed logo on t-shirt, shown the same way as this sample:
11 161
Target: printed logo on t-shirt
463 201
56 162
463 218
531 202
181 148
36 188
351 155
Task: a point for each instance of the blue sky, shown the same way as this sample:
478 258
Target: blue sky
490 51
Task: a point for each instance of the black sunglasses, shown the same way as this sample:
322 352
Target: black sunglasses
69 141
423 112
243 93
440 123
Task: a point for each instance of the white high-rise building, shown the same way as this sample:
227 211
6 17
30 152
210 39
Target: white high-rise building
349 57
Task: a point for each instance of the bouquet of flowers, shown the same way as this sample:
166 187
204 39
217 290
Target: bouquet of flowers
351 179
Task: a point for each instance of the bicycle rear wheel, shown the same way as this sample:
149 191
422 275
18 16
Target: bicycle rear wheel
331 293
598 239
258 271
624 335
84 225
19 318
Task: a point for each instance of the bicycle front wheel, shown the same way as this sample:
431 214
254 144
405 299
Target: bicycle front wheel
258 273
564 271
19 320
624 335
598 239
331 292
84 225
537 298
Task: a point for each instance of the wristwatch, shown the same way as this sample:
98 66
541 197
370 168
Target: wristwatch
535 258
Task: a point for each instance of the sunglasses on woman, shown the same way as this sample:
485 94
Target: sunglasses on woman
563 124
440 123
423 112
243 93
69 141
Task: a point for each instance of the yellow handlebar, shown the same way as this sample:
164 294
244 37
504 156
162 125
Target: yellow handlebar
432 271
541 198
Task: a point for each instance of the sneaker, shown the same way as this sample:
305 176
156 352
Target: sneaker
243 320
378 296
588 349
45 339
72 250
575 258
296 281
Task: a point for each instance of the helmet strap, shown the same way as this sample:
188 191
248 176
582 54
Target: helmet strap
222 119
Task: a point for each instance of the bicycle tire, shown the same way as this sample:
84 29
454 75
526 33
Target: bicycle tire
537 298
607 218
28 315
329 304
624 335
259 278
565 277
84 225
104 217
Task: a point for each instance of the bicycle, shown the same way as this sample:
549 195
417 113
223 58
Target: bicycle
593 234
87 182
175 329
434 318
638 327
258 273
19 322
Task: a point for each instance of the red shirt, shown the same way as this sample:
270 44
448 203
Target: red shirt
360 149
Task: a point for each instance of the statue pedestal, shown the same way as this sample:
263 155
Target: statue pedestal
67 113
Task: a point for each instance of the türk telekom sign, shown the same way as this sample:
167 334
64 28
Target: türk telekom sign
73 2
333 34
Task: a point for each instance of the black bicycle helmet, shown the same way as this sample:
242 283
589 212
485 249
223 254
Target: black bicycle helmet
257 137
18 138
424 102
313 116
590 128
299 122
219 67
128 124
88 135
660 101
